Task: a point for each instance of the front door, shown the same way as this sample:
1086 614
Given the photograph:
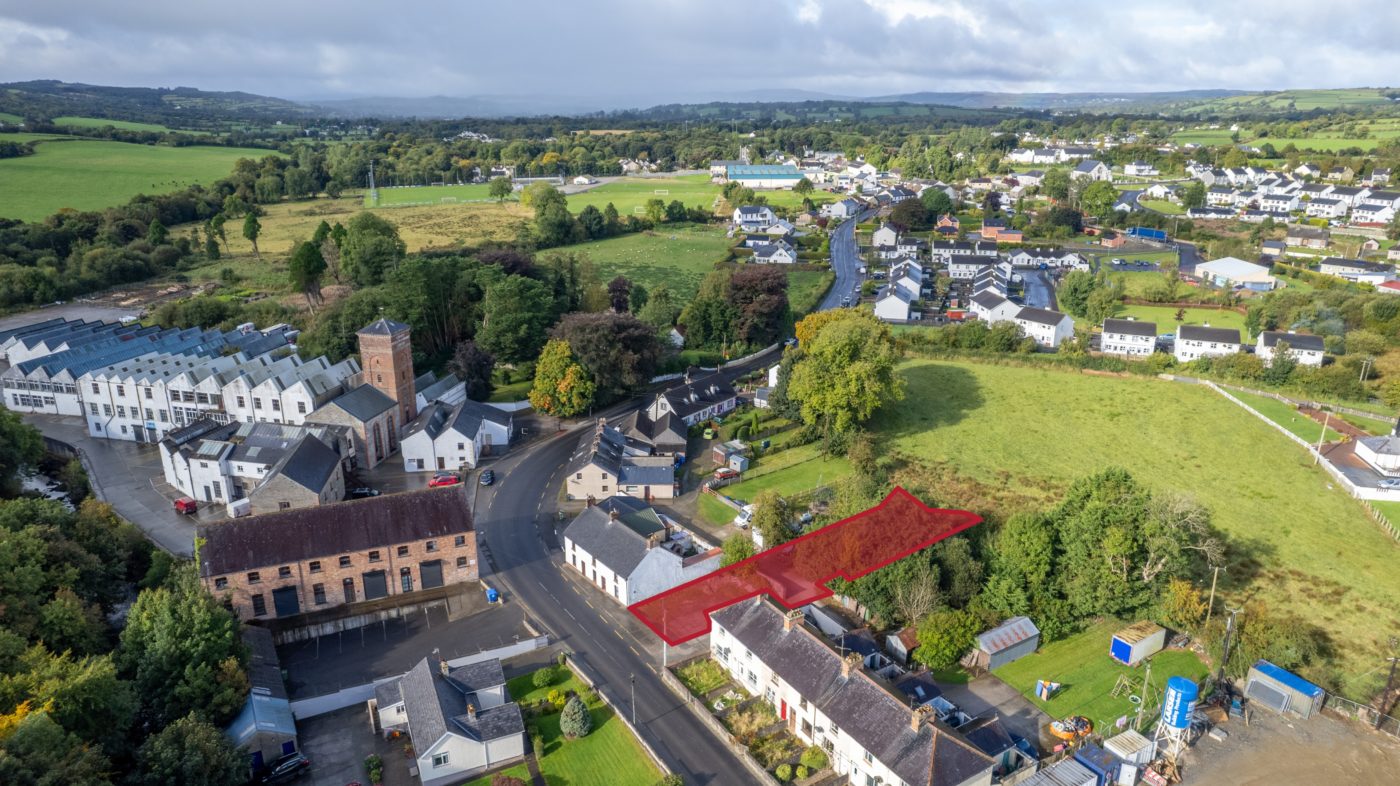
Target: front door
376 585
442 462
431 573
782 713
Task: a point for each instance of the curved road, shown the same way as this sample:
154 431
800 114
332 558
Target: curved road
516 519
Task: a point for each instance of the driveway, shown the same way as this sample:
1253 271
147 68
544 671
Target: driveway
337 744
1039 291
125 474
988 695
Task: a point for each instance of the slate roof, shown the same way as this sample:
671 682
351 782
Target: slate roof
1218 335
919 688
1270 338
698 394
1131 327
620 543
434 390
893 292
1088 165
1308 232
989 735
1358 264
1043 316
874 717
306 533
493 724
667 431
382 327
988 299
364 403
310 464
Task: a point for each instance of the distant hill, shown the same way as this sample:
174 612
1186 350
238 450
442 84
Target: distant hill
179 107
1078 102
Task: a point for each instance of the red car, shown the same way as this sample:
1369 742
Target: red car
186 506
443 479
726 473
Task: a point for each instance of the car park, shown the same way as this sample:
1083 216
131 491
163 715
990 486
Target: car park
444 479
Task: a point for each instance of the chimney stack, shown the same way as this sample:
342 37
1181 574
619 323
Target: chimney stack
850 663
792 619
916 718
442 663
471 711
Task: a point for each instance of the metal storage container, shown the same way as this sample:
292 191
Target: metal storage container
1132 747
1063 773
1137 641
1103 764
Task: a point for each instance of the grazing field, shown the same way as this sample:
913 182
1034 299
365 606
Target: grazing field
102 122
91 175
1080 663
1165 317
676 256
1297 542
403 196
10 119
1319 139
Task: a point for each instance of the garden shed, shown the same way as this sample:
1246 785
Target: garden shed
1137 641
1009 641
1283 691
1066 772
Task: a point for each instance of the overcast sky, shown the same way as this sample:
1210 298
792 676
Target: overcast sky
660 50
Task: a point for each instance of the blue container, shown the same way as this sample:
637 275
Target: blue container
492 595
1178 702
1103 764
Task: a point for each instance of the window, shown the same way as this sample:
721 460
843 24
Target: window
869 759
257 403
107 410
318 592
406 579
403 551
253 577
461 446
241 402
314 566
284 572
150 415
461 562
348 586
460 540
284 505
276 405
164 416
148 394
218 490
440 759
121 390
259 606
95 389
345 561
374 556
419 462
378 378
121 411
430 546
301 407
579 476
92 408
221 583
605 488
201 398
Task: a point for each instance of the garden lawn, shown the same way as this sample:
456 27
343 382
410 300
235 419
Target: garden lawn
1163 206
608 756
90 175
1296 541
1287 415
678 256
791 471
1165 317
519 771
1087 674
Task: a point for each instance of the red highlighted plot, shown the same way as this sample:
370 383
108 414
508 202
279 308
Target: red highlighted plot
796 572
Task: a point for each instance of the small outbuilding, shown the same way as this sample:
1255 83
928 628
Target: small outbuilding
1136 642
1132 747
1066 772
265 729
1009 641
722 452
1283 691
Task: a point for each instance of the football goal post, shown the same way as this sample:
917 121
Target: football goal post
661 191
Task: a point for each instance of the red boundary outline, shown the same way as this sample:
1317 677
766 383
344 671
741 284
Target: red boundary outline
941 523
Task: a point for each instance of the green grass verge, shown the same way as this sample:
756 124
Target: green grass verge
1287 415
608 756
1081 664
1371 425
678 256
806 288
102 122
714 511
1297 542
89 175
513 391
1165 317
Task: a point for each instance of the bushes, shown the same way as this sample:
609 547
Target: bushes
814 758
374 766
544 677
783 772
575 721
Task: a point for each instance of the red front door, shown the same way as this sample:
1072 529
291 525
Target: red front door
784 709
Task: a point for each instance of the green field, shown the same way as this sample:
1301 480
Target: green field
430 195
677 256
91 175
102 122
1321 139
1088 675
1163 206
1286 415
1165 317
1372 425
630 195
1297 542
9 119
792 471
806 288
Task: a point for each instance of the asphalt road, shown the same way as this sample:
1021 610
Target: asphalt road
1039 291
845 262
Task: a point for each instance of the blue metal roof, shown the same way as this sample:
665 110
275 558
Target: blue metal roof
763 170
1288 678
262 713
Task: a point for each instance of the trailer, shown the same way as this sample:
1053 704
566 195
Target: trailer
1137 641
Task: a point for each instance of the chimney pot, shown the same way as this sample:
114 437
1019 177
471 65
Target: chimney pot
850 663
792 618
471 711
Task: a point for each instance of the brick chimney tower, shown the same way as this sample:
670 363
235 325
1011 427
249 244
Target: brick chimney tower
386 359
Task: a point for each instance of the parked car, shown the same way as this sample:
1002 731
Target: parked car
1117 260
487 478
846 301
444 479
361 492
1389 483
726 473
186 506
286 769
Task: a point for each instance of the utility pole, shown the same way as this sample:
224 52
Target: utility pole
1210 607
1389 684
1225 656
1142 696
633 679
1326 421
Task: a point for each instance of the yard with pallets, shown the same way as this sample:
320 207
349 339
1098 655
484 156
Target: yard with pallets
608 756
1088 677
1297 542
92 175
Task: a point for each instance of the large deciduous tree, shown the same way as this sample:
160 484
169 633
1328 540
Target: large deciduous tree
371 248
945 636
936 202
252 228
516 313
190 751
473 365
845 373
619 351
21 447
562 387
306 268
